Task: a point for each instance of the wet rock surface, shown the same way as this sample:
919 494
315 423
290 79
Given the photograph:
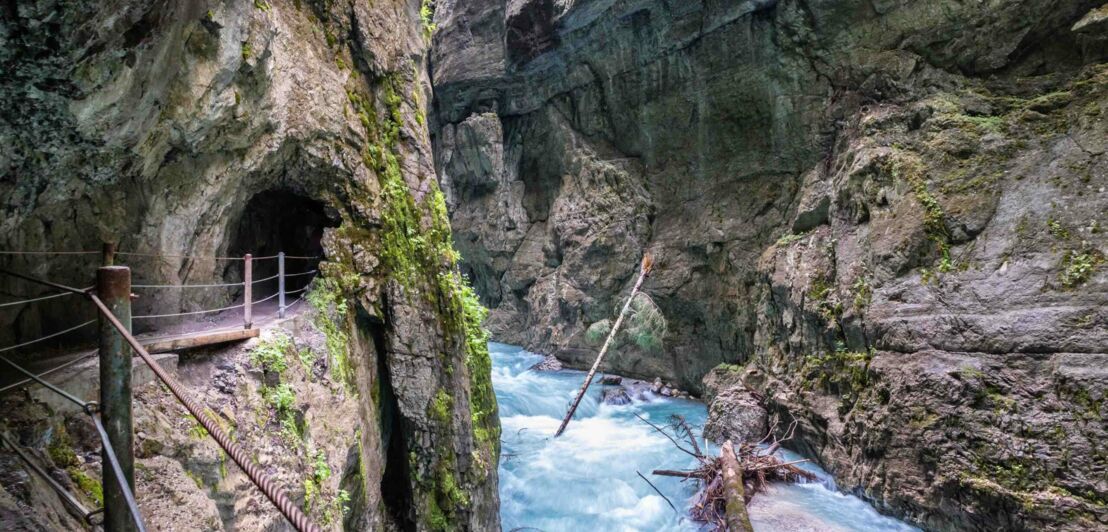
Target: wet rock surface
212 129
890 214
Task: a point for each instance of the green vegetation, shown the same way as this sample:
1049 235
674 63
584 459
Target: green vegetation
60 449
440 406
646 326
88 485
331 317
332 509
841 372
270 354
427 16
790 238
247 51
282 400
863 294
195 430
262 5
1077 267
598 332
910 168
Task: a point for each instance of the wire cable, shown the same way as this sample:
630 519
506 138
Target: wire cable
124 486
43 298
270 278
272 491
197 257
54 369
47 337
287 275
50 252
214 285
275 294
193 313
66 496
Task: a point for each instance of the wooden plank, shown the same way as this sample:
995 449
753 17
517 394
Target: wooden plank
200 339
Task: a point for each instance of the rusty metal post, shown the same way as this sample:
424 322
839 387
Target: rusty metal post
113 286
248 292
108 254
281 284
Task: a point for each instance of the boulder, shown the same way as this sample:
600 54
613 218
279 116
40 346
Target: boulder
736 415
548 363
615 396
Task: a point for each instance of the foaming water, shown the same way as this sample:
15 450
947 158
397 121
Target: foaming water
586 479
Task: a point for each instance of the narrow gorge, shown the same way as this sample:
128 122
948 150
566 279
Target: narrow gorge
877 226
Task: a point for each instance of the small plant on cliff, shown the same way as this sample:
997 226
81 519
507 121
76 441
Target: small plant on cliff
1077 267
427 17
269 354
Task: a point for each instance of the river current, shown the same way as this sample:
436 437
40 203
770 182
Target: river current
587 479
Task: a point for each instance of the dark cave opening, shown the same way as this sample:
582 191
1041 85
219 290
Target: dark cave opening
277 221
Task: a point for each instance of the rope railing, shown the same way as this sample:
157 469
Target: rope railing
21 252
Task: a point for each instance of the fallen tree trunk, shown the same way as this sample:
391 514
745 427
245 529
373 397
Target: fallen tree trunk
728 481
738 520
644 270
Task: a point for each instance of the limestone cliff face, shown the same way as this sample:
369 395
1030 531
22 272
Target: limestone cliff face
891 213
202 128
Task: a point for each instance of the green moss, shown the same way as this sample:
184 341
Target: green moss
60 449
90 486
262 5
790 238
911 169
440 407
247 51
331 318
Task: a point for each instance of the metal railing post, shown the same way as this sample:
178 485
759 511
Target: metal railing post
108 254
248 292
281 284
113 286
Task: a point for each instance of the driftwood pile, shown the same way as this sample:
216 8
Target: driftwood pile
728 481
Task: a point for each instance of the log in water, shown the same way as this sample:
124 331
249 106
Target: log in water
586 479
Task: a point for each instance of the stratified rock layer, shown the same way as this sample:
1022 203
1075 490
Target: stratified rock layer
155 125
890 213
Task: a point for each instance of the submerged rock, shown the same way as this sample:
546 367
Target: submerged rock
611 380
548 363
615 396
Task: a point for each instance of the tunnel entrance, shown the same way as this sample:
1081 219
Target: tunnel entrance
281 221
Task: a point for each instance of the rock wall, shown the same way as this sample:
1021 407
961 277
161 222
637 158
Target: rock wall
154 124
890 213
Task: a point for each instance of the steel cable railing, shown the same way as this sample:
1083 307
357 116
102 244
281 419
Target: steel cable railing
273 492
91 408
32 300
66 496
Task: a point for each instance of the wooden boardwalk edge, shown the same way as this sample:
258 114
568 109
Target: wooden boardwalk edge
198 339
